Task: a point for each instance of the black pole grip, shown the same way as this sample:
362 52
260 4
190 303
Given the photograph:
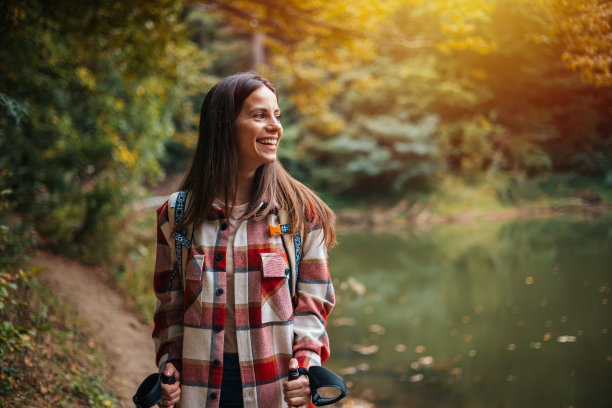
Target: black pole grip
293 374
168 380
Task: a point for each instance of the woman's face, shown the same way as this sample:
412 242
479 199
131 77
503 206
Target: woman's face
258 130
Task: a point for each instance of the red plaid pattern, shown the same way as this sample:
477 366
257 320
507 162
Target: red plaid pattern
189 322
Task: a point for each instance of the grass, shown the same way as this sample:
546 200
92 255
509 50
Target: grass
134 272
57 363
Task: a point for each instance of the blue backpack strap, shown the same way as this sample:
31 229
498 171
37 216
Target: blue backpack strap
297 243
293 248
180 238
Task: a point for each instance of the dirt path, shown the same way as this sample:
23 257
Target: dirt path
127 340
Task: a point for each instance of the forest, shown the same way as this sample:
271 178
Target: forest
383 102
99 99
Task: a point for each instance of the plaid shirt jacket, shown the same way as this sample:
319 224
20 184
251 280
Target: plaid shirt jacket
270 328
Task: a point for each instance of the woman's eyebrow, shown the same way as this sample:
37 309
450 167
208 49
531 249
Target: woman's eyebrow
262 108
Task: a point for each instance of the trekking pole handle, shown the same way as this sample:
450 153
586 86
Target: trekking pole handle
168 380
293 374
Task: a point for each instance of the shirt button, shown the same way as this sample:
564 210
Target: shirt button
287 271
219 256
213 395
219 292
223 227
216 363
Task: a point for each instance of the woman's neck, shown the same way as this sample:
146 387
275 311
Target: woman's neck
244 188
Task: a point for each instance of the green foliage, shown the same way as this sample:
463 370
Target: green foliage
15 240
14 336
56 364
29 316
377 151
100 106
134 272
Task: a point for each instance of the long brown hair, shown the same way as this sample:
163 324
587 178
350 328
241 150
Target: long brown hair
213 171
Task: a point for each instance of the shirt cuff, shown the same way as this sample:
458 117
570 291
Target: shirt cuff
307 358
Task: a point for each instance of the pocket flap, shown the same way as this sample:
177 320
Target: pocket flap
274 266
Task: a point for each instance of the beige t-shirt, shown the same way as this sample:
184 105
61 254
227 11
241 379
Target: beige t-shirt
230 343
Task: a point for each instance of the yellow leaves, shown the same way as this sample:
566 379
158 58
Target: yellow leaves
479 74
125 155
86 78
584 26
38 269
486 125
459 22
477 44
16 15
367 83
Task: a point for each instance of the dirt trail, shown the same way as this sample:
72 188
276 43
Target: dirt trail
126 339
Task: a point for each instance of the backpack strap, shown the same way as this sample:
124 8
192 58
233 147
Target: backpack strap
182 243
293 247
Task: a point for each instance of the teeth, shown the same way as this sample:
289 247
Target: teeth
267 141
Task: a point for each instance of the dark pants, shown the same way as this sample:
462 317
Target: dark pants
231 385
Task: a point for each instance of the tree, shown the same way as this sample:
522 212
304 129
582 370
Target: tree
585 28
104 86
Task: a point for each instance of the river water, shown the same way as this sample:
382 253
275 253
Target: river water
486 315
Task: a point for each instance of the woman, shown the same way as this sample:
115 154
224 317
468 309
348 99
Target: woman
227 327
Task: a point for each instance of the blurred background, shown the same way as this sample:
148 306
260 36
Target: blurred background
466 146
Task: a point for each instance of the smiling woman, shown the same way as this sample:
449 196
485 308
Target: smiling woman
227 324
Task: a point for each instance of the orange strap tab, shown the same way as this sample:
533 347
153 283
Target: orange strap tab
279 229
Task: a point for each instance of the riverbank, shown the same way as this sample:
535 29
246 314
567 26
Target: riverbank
455 201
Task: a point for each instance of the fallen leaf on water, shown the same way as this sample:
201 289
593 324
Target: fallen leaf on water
426 361
566 339
358 287
365 350
347 371
344 321
416 378
377 328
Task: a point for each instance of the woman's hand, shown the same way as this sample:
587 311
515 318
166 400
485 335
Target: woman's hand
171 393
297 392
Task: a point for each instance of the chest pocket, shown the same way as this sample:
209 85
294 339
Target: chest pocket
276 305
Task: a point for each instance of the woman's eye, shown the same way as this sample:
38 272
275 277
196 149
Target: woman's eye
259 115
278 117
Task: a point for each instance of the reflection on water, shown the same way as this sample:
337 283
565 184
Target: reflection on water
498 315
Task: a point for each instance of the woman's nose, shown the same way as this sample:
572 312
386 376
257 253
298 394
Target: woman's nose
273 123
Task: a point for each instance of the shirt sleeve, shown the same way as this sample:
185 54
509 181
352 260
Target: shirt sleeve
315 300
168 316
